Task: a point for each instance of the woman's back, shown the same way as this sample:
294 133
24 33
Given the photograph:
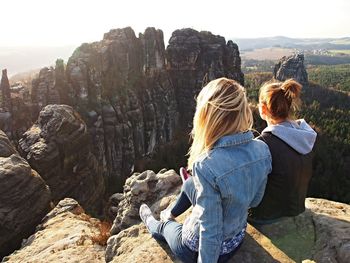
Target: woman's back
236 170
288 182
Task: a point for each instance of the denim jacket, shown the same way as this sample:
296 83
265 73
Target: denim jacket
229 179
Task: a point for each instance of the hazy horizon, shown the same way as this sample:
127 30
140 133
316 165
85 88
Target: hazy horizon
21 59
15 47
61 23
36 32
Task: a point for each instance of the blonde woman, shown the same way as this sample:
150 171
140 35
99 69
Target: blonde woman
290 142
229 170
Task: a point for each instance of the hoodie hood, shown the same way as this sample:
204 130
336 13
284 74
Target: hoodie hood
297 134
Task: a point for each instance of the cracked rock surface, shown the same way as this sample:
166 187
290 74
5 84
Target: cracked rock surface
65 235
24 197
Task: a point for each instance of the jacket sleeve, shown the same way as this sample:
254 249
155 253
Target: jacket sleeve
259 195
211 216
261 190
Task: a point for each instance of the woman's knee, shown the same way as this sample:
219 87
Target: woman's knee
189 189
188 185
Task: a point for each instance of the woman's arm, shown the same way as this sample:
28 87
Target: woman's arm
211 216
259 195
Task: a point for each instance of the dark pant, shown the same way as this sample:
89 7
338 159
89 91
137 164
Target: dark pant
171 231
186 198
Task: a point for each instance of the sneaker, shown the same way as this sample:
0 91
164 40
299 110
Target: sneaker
145 213
184 174
166 215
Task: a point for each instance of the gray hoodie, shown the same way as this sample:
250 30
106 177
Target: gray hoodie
297 134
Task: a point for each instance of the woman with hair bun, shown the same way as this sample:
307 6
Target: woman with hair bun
290 142
229 170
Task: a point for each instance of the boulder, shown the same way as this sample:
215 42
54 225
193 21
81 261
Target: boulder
59 147
157 190
66 234
24 198
291 67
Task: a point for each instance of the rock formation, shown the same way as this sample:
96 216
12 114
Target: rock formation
194 58
123 91
66 234
5 91
130 90
320 234
139 188
15 113
43 88
5 104
6 122
24 197
50 87
135 244
291 67
6 148
59 147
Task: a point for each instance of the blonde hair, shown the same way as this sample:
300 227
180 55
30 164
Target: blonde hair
280 98
222 109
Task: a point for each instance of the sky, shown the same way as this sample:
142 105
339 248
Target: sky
72 22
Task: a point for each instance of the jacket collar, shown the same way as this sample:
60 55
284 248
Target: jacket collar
234 139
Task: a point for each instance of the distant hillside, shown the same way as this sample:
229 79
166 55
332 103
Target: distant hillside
22 59
299 43
332 76
270 53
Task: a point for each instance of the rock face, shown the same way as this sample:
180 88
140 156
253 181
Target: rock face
5 104
43 88
59 147
123 91
50 87
5 91
24 197
194 58
15 113
6 148
65 235
291 67
134 94
332 230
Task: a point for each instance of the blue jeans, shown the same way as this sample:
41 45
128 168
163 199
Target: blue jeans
171 231
186 198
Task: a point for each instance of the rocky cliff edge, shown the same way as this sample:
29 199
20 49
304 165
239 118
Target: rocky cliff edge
320 234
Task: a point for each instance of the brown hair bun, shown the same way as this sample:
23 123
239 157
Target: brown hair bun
291 88
281 98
